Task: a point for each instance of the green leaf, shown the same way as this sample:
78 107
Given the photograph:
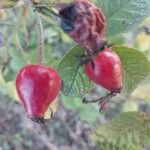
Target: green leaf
75 82
122 15
4 55
17 61
8 3
117 39
87 112
136 67
127 131
8 88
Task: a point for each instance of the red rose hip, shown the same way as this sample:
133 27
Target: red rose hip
37 87
106 70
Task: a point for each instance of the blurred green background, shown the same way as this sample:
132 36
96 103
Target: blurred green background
73 122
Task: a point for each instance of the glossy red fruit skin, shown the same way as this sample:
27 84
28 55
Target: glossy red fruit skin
107 71
37 86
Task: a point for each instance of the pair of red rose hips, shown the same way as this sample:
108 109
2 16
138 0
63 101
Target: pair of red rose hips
38 86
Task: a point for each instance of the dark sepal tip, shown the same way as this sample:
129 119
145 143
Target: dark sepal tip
39 120
84 100
101 111
66 26
68 13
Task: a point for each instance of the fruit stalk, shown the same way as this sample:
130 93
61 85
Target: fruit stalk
40 37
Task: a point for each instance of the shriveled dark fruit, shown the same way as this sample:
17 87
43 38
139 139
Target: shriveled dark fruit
37 87
85 23
106 70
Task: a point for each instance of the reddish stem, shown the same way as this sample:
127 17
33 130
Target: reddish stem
40 37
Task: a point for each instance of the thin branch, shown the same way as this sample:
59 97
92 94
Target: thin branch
45 9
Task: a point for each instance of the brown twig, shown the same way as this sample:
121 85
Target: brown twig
108 96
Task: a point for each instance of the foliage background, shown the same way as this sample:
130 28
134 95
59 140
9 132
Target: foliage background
74 122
